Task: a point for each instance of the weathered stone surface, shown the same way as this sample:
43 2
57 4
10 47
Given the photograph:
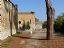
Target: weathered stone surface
27 17
6 10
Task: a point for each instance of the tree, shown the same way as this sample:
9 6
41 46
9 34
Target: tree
62 27
50 18
23 27
27 25
59 24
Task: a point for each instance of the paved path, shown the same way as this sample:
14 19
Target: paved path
34 35
39 35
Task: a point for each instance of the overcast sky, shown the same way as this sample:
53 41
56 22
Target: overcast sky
38 6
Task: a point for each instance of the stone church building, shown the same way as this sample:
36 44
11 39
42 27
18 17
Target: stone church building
8 19
24 17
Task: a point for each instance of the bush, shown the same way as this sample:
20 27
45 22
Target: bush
62 28
23 27
27 25
59 25
44 25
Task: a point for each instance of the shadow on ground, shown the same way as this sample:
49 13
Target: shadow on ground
30 38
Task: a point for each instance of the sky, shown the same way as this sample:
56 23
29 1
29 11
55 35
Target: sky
39 7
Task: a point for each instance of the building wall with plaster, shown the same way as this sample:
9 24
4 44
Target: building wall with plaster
27 17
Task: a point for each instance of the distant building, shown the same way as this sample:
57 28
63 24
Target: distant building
7 15
26 17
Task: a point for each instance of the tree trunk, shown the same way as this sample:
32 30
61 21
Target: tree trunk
50 19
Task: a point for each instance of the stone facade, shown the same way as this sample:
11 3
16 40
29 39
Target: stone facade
7 22
27 17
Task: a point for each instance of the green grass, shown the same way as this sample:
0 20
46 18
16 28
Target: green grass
17 34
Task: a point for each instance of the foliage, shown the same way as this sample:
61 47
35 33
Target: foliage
62 27
27 25
23 27
17 32
59 24
44 25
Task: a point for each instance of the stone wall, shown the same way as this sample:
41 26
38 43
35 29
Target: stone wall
6 10
26 17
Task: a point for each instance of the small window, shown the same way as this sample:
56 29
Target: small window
19 22
0 14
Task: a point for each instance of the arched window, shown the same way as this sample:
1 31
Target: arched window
0 14
19 22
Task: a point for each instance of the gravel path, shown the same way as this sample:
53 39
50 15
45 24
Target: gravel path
19 42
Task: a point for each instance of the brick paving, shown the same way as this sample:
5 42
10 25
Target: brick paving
19 42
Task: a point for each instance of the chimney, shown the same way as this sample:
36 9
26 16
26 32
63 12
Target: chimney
32 12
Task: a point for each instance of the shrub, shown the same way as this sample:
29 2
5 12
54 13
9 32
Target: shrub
44 25
23 27
27 25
